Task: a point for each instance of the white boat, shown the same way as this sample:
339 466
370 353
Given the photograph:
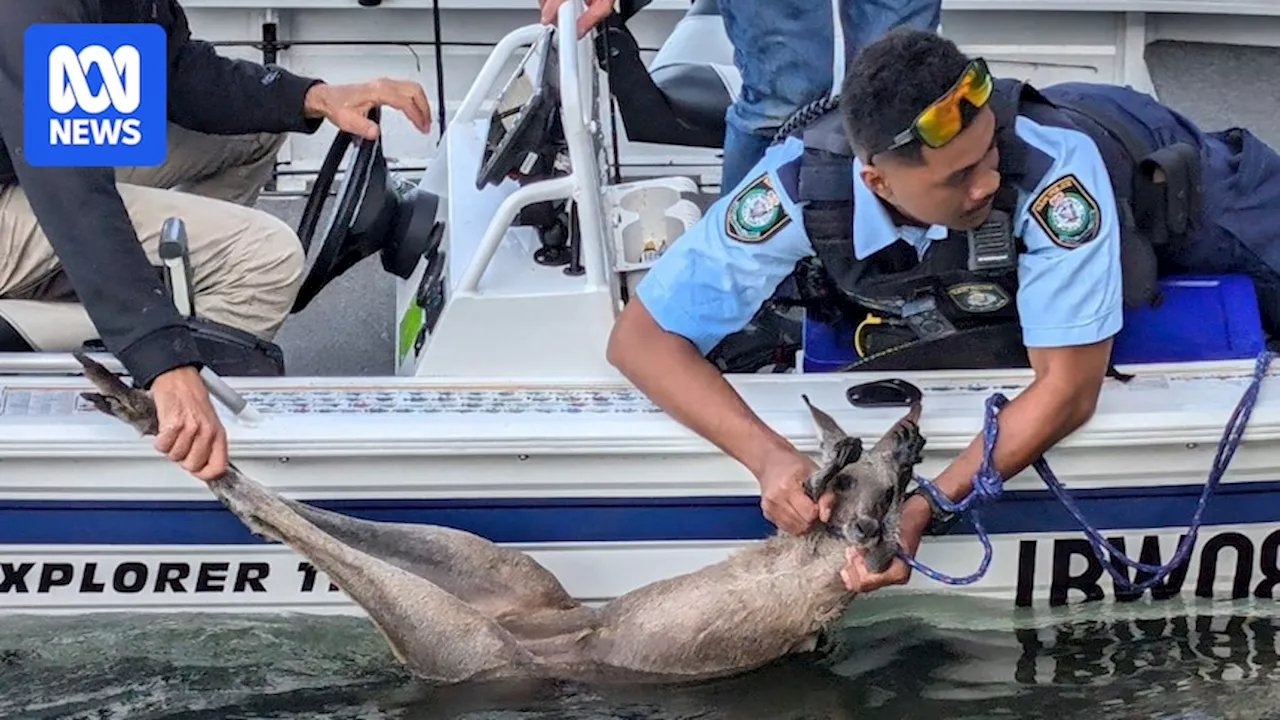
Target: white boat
505 419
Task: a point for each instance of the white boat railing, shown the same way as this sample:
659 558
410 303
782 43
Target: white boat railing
34 363
583 183
491 71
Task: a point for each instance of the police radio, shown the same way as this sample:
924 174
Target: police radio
992 248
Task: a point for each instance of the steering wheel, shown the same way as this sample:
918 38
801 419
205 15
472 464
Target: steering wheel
372 214
350 193
341 247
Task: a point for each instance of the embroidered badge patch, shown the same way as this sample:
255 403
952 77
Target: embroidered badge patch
755 214
978 297
1067 212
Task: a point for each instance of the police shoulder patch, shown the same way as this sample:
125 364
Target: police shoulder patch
1067 213
755 214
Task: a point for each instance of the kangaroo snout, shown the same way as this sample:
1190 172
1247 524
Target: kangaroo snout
865 528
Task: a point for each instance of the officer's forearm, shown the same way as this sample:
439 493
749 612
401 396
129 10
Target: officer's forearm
1029 425
669 370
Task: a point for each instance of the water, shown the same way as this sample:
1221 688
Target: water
1176 663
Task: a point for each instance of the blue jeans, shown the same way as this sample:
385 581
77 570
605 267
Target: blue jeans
783 49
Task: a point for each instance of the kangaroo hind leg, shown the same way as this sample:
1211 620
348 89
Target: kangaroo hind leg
438 636
497 581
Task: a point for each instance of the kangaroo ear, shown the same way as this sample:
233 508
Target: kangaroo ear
906 446
829 433
846 453
838 452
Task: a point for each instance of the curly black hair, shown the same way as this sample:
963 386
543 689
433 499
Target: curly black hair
891 81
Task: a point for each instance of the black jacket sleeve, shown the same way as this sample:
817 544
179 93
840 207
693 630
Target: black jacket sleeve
86 222
628 8
218 95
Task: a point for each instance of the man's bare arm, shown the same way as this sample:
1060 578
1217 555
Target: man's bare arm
675 376
669 369
1062 397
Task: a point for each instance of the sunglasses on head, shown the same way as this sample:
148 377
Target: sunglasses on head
945 117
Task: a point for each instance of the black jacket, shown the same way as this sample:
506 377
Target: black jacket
79 208
628 8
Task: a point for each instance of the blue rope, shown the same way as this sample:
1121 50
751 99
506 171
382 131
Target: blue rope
988 486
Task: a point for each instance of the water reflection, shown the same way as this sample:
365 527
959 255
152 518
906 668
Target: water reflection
1200 666
1197 667
1216 649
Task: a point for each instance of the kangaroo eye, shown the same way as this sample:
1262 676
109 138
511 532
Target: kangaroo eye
843 482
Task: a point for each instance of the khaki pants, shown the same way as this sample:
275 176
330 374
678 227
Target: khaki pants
246 264
226 167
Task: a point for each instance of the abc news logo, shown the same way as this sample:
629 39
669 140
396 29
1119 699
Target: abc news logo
94 94
121 90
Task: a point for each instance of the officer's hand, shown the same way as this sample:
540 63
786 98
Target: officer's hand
347 106
782 495
190 432
591 16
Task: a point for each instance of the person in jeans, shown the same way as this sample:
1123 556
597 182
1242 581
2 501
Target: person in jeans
784 50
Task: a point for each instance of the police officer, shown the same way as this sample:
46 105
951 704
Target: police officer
75 230
1060 205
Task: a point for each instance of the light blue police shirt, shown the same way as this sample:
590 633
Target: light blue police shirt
712 280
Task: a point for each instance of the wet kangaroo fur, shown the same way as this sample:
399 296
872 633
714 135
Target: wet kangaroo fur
455 607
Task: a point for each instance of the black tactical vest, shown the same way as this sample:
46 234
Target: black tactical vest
955 306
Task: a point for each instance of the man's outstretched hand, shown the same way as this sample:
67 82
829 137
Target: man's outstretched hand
190 432
347 106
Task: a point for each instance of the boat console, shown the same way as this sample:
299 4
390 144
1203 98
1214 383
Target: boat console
520 141
374 212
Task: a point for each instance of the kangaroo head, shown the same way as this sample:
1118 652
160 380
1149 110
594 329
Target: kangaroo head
869 486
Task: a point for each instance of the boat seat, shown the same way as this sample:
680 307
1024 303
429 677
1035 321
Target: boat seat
1201 318
681 97
694 68
44 326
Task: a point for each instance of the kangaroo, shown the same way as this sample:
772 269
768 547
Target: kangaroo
455 607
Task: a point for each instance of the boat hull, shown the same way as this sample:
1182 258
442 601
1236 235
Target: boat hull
189 556
591 479
607 491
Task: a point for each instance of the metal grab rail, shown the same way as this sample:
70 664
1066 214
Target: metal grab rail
583 183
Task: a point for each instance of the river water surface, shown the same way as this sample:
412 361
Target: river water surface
900 660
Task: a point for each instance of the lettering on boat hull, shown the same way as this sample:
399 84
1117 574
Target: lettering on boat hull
1028 570
130 578
1229 564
